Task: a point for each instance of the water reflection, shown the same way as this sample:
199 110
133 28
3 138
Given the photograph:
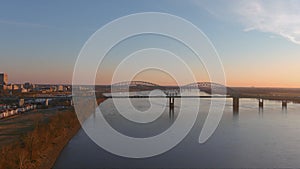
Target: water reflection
171 113
261 112
235 116
243 139
284 110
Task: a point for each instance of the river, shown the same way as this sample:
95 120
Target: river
252 138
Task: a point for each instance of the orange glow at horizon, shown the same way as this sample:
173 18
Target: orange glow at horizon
164 79
285 78
264 80
237 79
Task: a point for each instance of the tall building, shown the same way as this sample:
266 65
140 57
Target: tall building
3 79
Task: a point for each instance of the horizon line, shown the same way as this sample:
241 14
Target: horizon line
70 84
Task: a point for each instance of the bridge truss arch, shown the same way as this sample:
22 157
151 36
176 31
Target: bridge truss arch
136 85
210 87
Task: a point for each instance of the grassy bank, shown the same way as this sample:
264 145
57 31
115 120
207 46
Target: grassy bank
40 147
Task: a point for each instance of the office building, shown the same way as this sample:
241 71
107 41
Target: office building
3 79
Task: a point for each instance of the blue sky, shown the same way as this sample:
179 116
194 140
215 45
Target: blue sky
258 41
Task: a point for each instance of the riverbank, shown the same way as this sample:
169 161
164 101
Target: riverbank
39 145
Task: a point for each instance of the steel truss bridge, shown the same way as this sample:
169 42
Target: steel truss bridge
214 90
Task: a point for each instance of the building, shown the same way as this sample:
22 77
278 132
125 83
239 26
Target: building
60 88
28 86
3 81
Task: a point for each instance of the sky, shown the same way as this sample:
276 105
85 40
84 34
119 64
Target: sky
258 42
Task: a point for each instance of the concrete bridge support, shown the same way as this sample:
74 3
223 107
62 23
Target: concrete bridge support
171 107
171 102
260 103
284 104
236 104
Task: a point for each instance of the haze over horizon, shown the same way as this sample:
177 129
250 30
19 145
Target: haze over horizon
258 42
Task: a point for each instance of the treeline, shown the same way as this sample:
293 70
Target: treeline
40 147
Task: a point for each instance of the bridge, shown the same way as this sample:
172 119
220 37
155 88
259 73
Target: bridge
207 87
214 89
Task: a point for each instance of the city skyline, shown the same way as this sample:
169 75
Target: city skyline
150 84
257 43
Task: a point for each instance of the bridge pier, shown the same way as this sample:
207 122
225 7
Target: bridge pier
260 103
171 102
236 104
284 104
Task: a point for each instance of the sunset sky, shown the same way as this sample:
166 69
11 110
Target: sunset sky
258 41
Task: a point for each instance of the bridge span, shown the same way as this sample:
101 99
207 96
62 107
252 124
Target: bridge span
214 90
235 99
211 88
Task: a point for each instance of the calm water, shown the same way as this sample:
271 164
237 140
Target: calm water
253 138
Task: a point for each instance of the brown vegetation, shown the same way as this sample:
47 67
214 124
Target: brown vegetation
40 147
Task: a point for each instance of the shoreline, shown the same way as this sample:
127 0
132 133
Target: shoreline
41 146
53 154
56 153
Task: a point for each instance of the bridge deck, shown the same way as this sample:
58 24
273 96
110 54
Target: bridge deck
166 97
211 96
266 97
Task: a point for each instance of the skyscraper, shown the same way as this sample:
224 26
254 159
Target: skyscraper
3 79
